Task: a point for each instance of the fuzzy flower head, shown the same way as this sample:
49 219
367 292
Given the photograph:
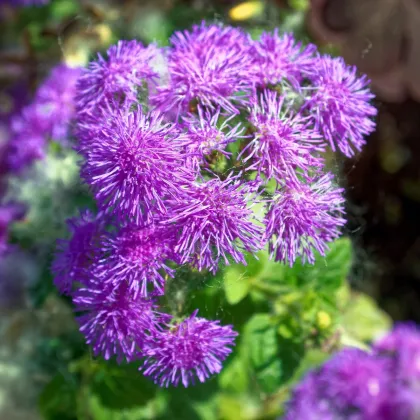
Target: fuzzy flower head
279 58
125 69
304 218
206 135
339 103
74 256
138 255
402 345
194 348
209 65
283 141
134 163
113 321
56 99
215 221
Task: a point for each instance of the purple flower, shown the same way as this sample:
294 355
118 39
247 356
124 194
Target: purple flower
55 98
138 255
134 164
25 3
278 58
210 65
215 221
402 345
120 75
205 135
339 103
303 218
75 255
193 348
354 378
113 321
283 141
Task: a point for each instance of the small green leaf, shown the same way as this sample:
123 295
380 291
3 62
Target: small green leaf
236 285
234 376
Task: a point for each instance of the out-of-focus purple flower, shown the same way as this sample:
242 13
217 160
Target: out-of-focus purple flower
134 164
75 255
215 221
339 102
209 65
279 58
8 214
138 255
27 138
24 3
403 346
283 142
113 321
206 135
354 378
303 218
56 98
196 347
120 75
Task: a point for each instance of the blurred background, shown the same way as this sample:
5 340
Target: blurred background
382 184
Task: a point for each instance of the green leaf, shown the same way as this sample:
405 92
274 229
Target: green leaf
236 285
363 319
121 387
234 376
58 399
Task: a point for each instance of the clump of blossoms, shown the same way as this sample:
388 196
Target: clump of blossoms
381 385
178 156
26 129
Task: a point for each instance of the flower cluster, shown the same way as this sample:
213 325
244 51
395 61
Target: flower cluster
25 130
177 156
354 384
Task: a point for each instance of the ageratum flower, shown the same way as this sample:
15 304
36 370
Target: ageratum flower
75 255
209 65
281 58
27 138
283 141
205 135
55 98
120 75
304 218
138 255
215 221
113 321
352 385
134 164
193 348
339 103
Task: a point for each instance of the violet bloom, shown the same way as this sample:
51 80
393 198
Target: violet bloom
75 255
206 135
55 97
283 140
279 58
24 3
304 218
134 163
27 138
113 321
120 75
215 221
352 385
138 255
209 65
193 348
339 103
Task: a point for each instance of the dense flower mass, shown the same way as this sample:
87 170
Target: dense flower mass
354 384
198 154
340 105
194 348
120 75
